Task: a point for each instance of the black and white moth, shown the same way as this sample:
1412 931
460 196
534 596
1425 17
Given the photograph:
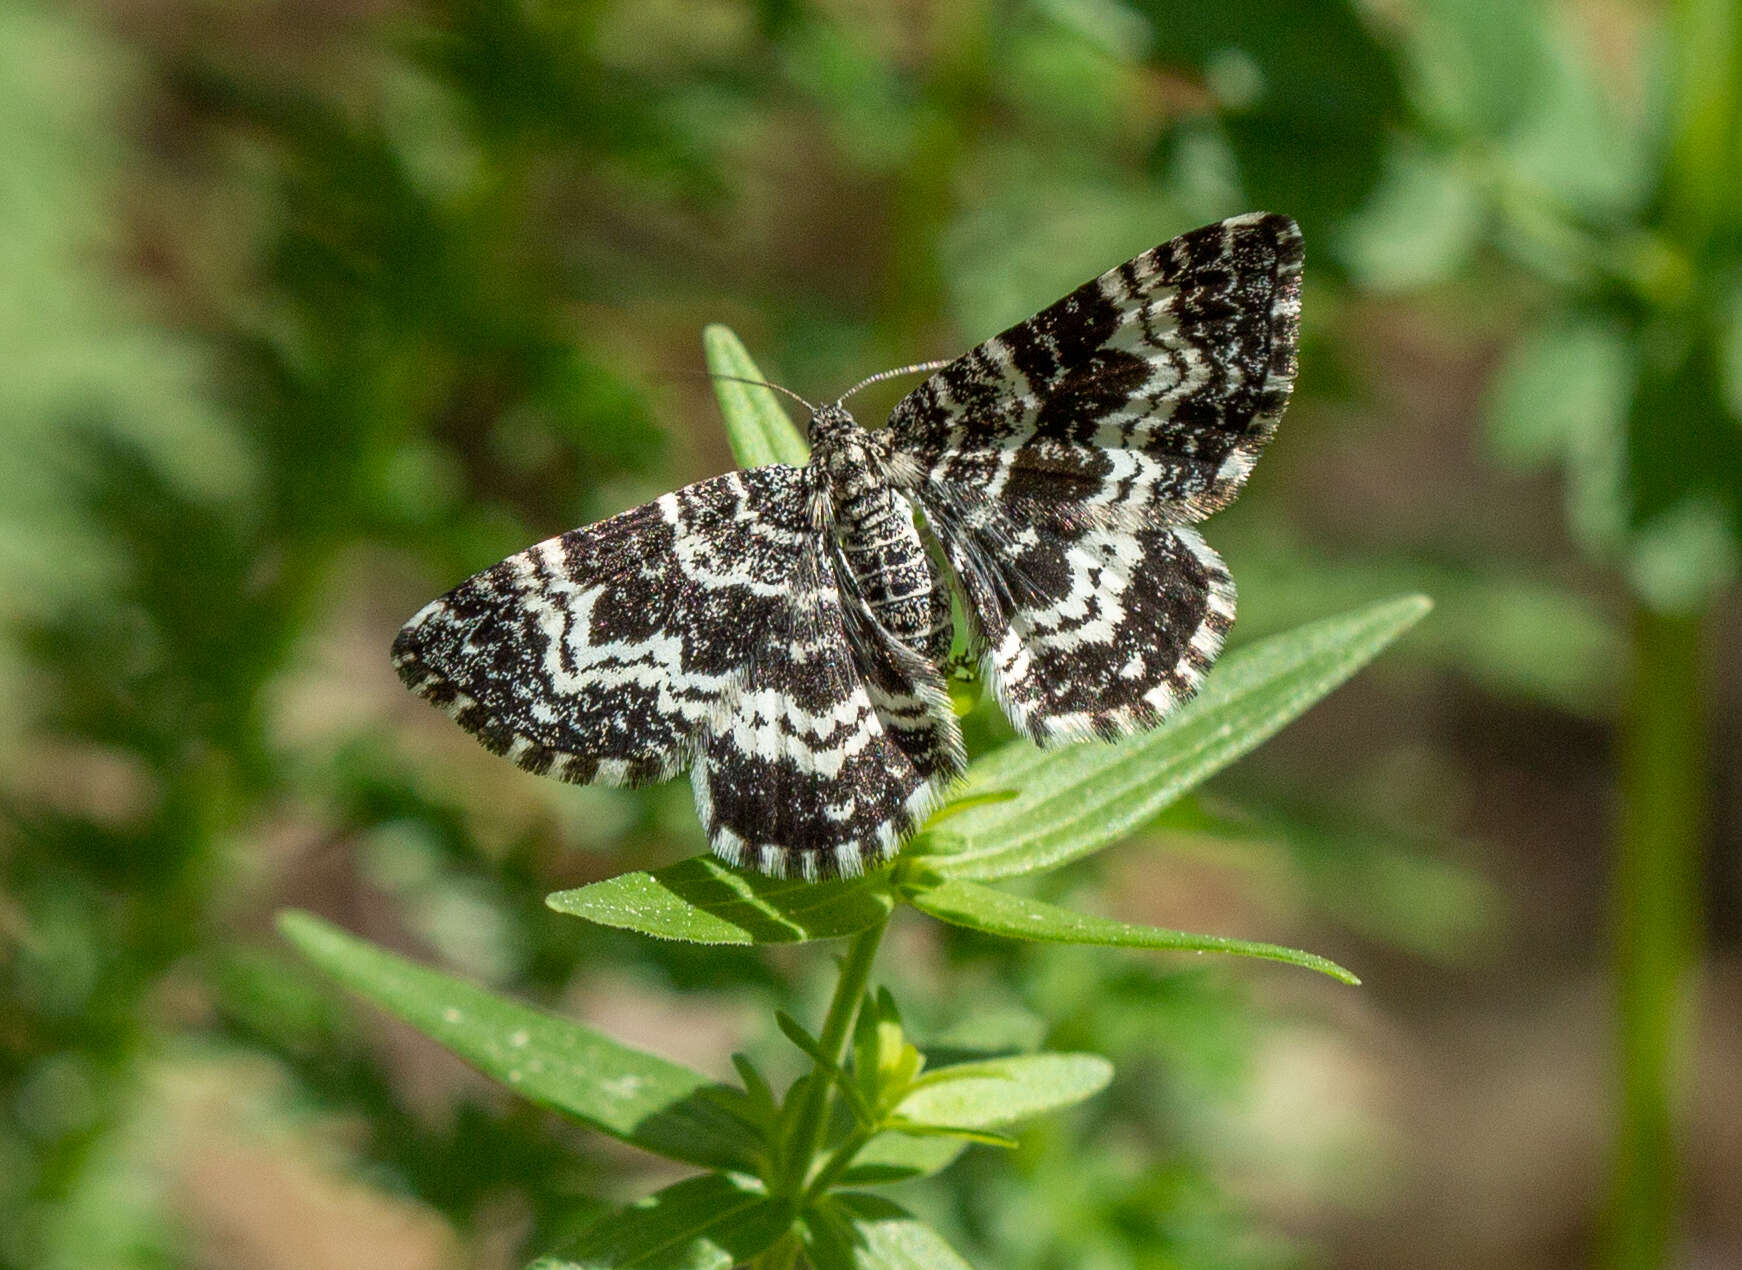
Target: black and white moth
783 632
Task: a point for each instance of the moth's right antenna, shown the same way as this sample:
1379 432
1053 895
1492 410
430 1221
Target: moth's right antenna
881 375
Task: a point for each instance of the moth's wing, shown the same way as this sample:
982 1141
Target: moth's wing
1145 395
1061 463
835 750
1087 630
578 657
702 630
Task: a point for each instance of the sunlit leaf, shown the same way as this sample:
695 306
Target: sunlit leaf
965 1133
897 1157
704 1223
702 901
848 1231
1080 798
756 424
627 1093
999 913
1001 1091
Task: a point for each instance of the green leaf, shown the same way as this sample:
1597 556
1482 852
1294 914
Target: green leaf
850 1231
1685 517
1519 635
638 1097
704 1223
1014 917
795 1032
1477 66
897 1157
1421 226
756 424
1561 384
920 1129
1078 799
956 806
1000 1091
757 1091
885 1062
703 901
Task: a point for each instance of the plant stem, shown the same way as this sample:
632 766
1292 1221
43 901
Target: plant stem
1707 128
1656 919
783 1256
839 1161
812 1117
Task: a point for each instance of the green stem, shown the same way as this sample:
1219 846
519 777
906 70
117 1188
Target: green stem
1707 134
783 1256
839 1160
1656 921
812 1117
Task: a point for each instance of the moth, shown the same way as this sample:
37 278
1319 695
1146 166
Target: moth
784 632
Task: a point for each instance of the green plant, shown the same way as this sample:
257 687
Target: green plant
785 1174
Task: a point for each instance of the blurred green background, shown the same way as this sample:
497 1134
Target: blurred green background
309 308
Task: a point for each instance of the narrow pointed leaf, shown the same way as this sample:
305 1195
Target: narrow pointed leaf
956 806
1078 799
704 1223
921 1129
627 1093
756 1087
850 1231
1001 1091
795 1032
757 425
897 1157
703 901
999 913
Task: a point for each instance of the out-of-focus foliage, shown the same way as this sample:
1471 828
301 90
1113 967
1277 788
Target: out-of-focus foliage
310 310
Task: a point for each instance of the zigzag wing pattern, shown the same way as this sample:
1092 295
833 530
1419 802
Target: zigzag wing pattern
781 632
706 630
1089 631
1146 394
1061 463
